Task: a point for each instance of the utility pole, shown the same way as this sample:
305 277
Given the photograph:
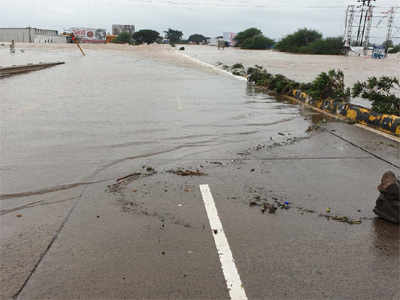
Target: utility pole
360 39
389 29
368 22
348 31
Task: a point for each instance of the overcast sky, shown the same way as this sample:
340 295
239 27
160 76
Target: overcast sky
208 17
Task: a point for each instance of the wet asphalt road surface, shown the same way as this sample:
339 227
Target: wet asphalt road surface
147 236
70 229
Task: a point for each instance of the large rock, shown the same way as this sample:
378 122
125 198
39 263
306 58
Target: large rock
388 203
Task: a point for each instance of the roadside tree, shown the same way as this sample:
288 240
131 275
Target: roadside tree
197 38
253 38
174 36
147 36
246 34
381 93
301 38
123 37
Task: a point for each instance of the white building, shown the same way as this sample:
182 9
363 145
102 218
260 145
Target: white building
118 29
30 35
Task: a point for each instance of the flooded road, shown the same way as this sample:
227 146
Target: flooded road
82 217
301 67
85 120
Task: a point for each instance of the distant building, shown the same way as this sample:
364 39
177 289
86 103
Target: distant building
30 35
117 29
89 35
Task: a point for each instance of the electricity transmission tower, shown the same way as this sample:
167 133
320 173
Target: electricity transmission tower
348 31
365 19
389 28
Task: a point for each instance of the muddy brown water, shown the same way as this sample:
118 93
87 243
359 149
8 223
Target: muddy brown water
99 115
301 67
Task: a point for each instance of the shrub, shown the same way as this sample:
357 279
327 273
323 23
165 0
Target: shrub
123 37
329 46
326 85
259 42
293 42
246 34
252 38
379 92
329 85
395 49
146 36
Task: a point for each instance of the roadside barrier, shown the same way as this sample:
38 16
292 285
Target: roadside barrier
356 113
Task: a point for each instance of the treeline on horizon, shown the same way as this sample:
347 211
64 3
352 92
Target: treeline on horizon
303 41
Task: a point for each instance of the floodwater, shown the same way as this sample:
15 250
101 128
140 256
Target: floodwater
97 116
300 67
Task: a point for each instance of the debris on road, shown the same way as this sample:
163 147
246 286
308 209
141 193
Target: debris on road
112 188
216 163
183 172
302 209
342 219
270 207
137 174
259 147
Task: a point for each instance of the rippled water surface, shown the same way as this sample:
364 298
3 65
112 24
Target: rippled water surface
92 117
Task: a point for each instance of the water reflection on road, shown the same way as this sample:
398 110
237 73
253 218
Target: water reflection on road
73 122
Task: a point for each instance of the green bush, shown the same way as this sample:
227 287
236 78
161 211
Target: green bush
242 36
328 46
197 38
395 49
258 42
147 36
329 85
301 38
252 38
123 37
379 92
326 85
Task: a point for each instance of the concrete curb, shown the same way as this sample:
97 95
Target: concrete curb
389 124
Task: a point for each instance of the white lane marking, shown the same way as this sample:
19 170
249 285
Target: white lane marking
231 274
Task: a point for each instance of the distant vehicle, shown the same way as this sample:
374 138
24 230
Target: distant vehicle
378 52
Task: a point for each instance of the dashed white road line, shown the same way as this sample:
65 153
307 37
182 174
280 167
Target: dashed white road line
231 274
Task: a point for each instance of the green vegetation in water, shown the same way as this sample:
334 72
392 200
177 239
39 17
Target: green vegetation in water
380 93
253 38
197 38
147 36
326 85
307 41
331 85
174 36
395 49
123 38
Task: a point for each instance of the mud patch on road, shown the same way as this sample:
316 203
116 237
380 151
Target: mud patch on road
125 180
187 172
